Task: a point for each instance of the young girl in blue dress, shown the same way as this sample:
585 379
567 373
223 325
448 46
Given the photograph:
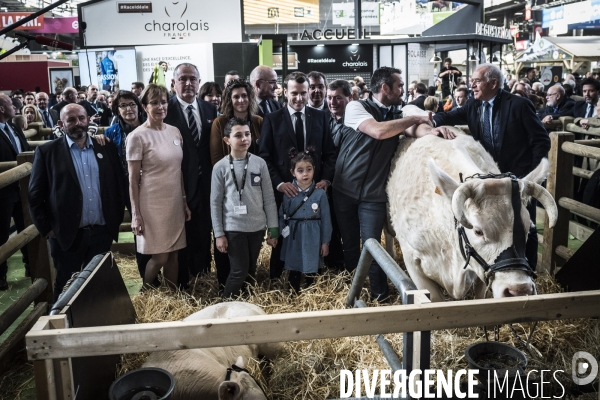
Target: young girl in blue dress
305 223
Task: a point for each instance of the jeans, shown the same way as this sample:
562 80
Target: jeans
243 249
89 243
361 220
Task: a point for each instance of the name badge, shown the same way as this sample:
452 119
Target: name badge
176 142
240 210
285 232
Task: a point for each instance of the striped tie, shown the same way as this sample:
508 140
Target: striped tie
193 125
487 135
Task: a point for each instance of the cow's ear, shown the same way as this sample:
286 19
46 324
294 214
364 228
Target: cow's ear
229 390
444 184
539 174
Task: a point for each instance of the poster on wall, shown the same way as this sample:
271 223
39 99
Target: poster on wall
419 67
60 78
281 12
109 69
343 14
160 22
550 76
201 55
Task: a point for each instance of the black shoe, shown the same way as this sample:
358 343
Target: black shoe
3 283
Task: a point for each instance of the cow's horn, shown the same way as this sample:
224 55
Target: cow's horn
543 196
461 195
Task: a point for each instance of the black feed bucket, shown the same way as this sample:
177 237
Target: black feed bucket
143 384
490 357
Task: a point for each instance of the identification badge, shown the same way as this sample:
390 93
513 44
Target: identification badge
285 232
240 210
255 179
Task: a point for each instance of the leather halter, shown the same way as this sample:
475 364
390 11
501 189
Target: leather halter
239 369
510 259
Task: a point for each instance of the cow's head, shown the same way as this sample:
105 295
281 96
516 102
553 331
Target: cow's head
240 385
484 208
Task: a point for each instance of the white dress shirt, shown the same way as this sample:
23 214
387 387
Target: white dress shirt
184 108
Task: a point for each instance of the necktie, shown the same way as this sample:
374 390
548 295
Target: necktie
265 107
193 125
384 112
11 138
588 113
299 128
487 137
47 120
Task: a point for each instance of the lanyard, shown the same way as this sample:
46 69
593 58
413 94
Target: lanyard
286 217
240 191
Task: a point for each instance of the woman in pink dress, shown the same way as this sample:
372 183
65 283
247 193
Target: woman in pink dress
158 204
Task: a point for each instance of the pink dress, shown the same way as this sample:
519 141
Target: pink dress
161 202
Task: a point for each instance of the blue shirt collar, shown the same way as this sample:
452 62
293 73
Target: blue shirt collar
88 143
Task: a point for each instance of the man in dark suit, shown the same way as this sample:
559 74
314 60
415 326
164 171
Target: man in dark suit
300 127
193 117
41 100
558 105
69 96
586 108
317 86
507 127
421 93
264 81
96 110
12 142
77 195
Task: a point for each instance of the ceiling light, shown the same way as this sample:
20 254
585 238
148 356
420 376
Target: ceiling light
435 59
354 44
493 19
320 45
518 13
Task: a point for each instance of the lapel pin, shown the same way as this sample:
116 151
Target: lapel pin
176 142
100 155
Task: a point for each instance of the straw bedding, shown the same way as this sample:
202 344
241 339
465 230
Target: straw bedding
310 369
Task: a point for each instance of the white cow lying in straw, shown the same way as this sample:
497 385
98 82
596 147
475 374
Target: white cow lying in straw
200 373
425 193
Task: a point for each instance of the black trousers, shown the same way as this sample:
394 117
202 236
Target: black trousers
10 207
276 265
89 243
335 259
243 249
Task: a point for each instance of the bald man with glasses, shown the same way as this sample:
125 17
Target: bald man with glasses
557 105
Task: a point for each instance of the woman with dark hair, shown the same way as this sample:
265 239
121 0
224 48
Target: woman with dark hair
239 101
129 115
211 92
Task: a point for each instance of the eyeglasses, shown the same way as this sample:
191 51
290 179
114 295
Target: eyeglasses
476 81
272 82
551 94
125 106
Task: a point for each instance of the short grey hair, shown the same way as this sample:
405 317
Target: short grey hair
189 65
559 89
537 85
570 83
491 71
258 73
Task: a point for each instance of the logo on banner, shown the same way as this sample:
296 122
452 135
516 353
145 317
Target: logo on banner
176 8
177 30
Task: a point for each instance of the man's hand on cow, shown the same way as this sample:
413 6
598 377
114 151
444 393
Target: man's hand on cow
444 132
322 185
222 244
547 119
288 189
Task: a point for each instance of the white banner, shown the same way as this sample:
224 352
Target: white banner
419 67
201 55
167 22
343 14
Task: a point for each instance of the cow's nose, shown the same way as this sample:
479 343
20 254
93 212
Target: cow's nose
521 289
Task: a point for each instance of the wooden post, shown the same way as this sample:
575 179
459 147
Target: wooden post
37 249
559 184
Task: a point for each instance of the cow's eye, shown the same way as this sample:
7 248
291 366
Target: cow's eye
478 232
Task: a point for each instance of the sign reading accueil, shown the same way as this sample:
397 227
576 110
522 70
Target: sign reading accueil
160 22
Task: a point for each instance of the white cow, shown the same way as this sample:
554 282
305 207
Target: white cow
200 373
425 193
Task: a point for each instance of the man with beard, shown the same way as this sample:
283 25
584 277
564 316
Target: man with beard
317 86
586 108
558 105
77 194
300 127
98 111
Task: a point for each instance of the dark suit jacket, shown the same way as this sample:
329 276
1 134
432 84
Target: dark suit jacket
8 153
278 137
105 115
57 107
419 102
273 104
580 108
565 109
55 198
523 140
193 156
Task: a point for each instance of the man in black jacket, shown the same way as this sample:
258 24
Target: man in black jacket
69 96
558 105
77 195
586 108
300 127
193 117
363 167
421 93
96 110
507 127
264 80
12 142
